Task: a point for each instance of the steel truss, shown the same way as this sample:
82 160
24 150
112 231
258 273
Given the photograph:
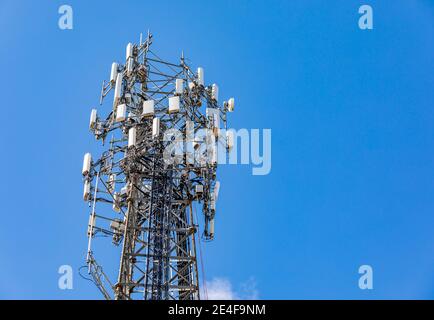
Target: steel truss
151 217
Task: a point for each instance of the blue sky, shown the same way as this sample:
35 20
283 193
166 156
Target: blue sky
351 113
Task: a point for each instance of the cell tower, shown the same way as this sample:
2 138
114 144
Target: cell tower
163 132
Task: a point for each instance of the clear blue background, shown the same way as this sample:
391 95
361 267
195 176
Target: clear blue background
352 121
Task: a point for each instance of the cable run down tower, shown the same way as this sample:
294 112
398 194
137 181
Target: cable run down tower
161 135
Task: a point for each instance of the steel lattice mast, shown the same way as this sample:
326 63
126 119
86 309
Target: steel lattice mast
143 189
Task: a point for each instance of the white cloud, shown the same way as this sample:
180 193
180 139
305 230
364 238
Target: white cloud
221 289
248 290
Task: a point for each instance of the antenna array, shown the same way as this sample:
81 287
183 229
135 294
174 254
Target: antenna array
156 170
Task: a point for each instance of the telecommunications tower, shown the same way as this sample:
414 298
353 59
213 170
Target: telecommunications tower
162 135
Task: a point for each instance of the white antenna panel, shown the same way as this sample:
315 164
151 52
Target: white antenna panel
231 104
132 137
179 86
92 121
200 76
215 92
121 111
148 108
86 191
173 104
114 72
87 161
155 127
118 88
